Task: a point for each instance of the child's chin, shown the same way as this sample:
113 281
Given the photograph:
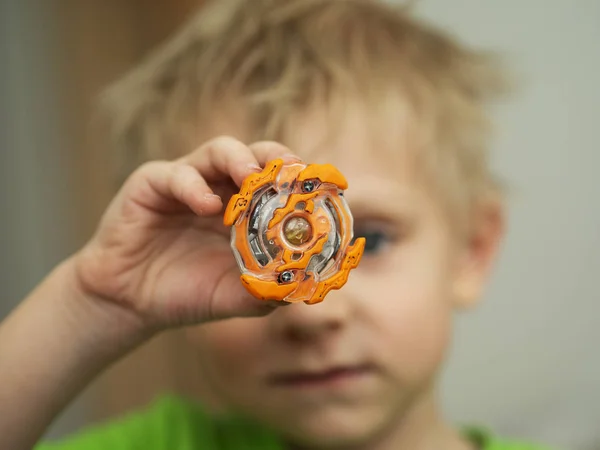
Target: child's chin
334 428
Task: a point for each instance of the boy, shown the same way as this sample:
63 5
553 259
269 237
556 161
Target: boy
398 108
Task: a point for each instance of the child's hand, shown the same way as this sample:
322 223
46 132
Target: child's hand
160 258
161 249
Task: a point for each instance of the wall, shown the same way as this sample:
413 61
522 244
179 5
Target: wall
37 218
527 361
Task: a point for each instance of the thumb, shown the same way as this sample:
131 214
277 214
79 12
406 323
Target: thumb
231 299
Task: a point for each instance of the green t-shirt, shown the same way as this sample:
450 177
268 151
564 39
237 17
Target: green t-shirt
172 423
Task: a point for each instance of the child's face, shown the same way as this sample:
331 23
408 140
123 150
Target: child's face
346 368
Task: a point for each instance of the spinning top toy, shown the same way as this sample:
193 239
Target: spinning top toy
292 232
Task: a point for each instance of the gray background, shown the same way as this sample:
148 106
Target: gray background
526 362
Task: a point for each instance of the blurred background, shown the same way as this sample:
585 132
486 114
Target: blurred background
527 363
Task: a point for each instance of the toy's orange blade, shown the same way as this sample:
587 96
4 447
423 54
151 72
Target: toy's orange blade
291 232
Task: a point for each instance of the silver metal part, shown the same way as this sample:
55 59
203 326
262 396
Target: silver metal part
286 277
253 224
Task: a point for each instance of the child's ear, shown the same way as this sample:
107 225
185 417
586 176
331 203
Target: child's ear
478 253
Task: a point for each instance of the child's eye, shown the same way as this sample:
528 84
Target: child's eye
376 240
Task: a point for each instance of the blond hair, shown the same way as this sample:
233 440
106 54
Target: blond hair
277 56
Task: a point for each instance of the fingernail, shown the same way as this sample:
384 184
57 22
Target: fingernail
289 158
254 167
211 196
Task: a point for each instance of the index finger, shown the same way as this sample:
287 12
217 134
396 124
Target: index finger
227 157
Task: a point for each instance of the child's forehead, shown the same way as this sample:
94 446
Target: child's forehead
356 138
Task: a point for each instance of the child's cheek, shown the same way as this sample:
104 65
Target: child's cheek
407 305
417 339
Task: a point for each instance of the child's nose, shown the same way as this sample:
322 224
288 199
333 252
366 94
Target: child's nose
298 323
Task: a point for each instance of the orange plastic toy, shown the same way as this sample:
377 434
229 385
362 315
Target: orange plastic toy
292 232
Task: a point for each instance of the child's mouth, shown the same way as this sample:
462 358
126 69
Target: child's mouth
326 378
